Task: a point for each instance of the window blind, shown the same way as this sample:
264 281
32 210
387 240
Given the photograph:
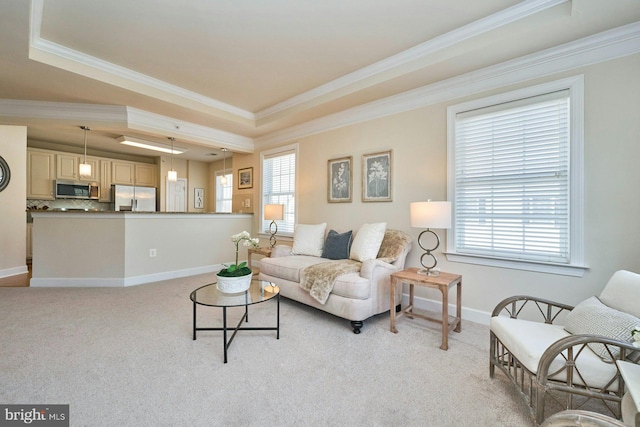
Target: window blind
512 180
278 187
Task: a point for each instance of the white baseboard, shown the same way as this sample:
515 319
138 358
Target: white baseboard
118 282
13 271
470 314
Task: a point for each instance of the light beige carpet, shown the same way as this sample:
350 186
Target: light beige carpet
126 357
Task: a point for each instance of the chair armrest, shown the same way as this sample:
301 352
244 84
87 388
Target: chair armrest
514 305
571 347
280 250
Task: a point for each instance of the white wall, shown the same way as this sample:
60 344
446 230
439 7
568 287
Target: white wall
418 139
13 222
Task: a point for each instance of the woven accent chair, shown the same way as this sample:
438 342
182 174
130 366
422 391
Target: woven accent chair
573 362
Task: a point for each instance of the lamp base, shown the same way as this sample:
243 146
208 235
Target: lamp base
432 272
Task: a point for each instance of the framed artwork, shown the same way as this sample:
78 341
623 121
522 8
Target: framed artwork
340 180
245 178
198 198
376 176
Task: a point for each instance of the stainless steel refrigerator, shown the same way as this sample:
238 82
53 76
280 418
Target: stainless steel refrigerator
133 198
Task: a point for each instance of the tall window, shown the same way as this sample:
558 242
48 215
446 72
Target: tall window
279 185
511 163
224 192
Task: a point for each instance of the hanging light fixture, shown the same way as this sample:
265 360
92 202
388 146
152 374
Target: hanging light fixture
85 168
223 178
172 175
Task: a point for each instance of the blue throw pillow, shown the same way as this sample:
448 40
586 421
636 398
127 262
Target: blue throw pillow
337 246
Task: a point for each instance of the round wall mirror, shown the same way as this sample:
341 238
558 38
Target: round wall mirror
5 174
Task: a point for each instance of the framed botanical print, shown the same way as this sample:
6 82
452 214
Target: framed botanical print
376 176
245 178
340 180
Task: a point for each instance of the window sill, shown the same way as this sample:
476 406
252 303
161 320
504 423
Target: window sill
560 269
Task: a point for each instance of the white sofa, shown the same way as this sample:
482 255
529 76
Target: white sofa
355 296
573 360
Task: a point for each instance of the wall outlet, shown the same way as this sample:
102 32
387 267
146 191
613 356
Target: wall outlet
152 253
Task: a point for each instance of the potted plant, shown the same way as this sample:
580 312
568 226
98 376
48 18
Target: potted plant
236 277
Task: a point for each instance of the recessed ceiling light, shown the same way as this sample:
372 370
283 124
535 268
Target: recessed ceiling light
134 142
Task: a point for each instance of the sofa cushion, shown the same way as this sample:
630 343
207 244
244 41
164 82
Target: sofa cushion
367 242
337 245
528 340
288 267
623 292
352 285
594 318
308 239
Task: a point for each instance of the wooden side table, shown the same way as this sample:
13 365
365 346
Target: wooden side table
260 251
443 282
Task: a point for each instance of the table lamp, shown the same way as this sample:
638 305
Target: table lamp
430 215
274 213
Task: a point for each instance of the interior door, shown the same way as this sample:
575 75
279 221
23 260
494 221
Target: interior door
177 195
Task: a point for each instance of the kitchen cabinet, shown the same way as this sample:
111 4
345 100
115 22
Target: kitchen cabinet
146 175
41 172
132 173
105 180
122 172
29 240
68 167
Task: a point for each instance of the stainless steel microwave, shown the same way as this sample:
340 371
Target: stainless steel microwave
76 190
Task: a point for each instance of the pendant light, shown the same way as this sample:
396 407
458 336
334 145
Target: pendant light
85 168
223 178
172 175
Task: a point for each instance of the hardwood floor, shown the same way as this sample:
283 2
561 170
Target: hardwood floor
19 280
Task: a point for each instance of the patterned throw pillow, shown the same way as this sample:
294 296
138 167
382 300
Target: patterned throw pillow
593 317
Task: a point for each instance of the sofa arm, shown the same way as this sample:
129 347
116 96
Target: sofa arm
374 267
514 305
280 250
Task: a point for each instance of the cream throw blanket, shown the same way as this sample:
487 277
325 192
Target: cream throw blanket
318 279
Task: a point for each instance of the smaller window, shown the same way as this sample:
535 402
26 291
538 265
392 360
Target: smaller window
279 186
224 191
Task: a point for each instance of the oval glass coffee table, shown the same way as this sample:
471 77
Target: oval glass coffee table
259 291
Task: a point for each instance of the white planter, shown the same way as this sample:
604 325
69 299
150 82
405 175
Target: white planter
234 285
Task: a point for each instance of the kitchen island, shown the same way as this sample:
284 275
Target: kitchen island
117 249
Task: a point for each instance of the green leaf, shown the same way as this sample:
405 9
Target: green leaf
242 264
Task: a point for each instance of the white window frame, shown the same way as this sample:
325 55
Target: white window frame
264 224
575 266
218 175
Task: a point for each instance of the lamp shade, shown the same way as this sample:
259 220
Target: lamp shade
172 175
85 170
430 214
274 212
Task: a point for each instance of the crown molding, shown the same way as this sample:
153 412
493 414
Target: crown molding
68 59
372 74
145 121
119 117
605 46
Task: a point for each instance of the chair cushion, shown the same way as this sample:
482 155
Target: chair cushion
528 340
308 239
623 292
594 318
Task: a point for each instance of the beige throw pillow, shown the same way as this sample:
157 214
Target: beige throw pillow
367 242
308 239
